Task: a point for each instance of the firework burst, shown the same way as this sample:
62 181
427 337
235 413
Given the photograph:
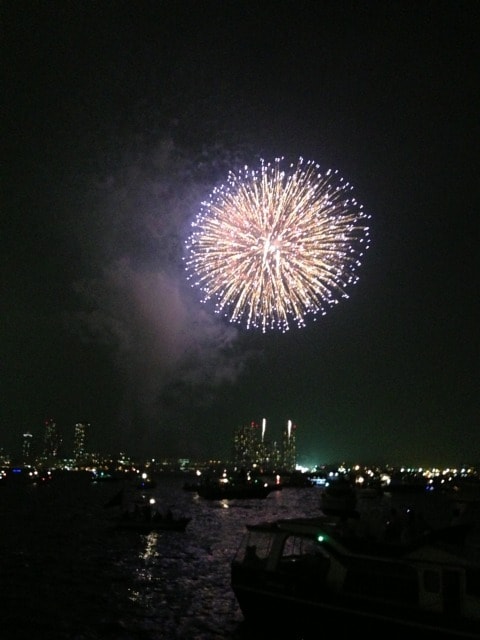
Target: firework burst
272 247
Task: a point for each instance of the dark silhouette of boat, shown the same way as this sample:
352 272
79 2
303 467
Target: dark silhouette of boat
291 574
338 498
143 516
234 490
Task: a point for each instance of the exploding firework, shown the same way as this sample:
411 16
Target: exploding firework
272 247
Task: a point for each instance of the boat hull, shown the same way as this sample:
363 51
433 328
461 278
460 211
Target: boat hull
296 616
299 573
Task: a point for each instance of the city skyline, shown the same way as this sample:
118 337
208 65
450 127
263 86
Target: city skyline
120 121
62 441
253 444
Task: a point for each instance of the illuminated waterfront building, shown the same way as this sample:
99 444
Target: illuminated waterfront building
275 456
52 439
289 448
79 440
27 439
245 441
252 448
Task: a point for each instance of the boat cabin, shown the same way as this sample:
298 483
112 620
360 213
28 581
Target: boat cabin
311 566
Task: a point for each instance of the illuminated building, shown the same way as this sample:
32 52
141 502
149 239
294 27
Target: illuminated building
52 439
289 447
79 440
27 439
252 448
245 440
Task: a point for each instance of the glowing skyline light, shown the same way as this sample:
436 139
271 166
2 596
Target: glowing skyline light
273 246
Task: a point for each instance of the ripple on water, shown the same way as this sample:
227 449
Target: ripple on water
67 575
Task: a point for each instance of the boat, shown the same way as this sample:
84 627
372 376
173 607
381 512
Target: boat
100 475
338 498
143 516
234 490
145 482
295 480
298 574
406 483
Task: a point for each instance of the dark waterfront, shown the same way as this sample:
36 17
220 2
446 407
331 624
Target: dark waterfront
67 575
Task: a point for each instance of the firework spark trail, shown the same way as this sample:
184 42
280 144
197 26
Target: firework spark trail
273 246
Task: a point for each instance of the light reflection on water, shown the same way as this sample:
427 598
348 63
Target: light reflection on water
183 585
68 576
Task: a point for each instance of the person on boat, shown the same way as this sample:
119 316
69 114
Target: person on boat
251 557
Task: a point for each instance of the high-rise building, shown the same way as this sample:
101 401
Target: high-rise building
275 456
52 439
252 448
245 445
79 440
264 458
27 440
289 447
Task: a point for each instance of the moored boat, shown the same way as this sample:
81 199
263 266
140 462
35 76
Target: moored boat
304 572
338 498
145 482
218 490
144 516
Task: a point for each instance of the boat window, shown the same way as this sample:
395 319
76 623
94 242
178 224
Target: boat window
263 543
305 562
301 546
431 581
255 544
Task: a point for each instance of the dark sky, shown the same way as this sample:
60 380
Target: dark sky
119 118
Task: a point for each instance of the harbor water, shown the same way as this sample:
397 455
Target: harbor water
67 574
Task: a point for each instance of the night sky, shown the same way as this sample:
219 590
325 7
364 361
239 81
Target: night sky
119 118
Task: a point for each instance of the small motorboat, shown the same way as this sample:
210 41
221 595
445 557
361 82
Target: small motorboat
145 516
